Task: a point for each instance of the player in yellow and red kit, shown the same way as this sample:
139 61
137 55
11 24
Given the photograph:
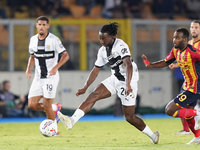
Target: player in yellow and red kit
188 59
195 41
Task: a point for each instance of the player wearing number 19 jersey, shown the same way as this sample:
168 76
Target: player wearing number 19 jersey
195 42
44 49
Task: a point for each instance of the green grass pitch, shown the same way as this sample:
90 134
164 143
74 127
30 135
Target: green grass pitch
102 135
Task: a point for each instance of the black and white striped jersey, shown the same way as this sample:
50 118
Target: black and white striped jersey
46 53
113 56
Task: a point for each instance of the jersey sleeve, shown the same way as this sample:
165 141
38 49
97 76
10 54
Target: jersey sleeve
170 57
30 49
59 46
100 62
124 51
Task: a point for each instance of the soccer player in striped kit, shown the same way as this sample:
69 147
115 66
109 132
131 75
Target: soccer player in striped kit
195 42
44 49
123 81
188 59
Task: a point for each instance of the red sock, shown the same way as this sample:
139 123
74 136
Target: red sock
191 123
185 113
185 124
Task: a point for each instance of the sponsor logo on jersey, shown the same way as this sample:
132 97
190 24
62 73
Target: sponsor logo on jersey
110 57
44 54
116 63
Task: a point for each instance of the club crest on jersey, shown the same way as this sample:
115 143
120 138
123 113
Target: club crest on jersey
113 54
183 57
124 50
48 47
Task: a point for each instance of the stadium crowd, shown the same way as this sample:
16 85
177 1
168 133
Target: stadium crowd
144 9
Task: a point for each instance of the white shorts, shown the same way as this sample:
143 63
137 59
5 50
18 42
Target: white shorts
118 87
44 87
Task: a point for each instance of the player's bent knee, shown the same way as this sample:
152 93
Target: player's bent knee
31 105
168 111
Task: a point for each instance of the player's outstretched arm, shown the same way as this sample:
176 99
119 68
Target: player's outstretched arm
158 64
92 76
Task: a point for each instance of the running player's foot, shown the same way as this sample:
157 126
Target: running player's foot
65 120
197 120
157 136
182 132
58 105
195 140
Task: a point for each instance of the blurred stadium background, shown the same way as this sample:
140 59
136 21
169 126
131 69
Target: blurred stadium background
147 26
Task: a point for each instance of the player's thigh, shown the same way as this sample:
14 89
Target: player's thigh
32 101
100 92
109 84
47 102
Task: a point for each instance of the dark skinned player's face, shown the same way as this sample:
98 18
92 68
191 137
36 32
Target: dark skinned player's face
105 39
178 40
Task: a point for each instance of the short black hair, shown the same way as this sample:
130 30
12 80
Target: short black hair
42 18
184 31
110 29
6 81
196 21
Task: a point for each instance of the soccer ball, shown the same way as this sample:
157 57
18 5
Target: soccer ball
48 128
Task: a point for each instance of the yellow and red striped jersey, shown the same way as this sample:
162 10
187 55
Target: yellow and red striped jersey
195 44
189 63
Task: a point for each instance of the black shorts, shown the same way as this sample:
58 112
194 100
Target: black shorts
187 98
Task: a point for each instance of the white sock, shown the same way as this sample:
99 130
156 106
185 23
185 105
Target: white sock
148 132
54 107
77 115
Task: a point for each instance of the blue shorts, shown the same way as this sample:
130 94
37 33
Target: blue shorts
187 98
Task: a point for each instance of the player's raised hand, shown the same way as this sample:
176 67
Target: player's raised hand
81 91
28 74
145 60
